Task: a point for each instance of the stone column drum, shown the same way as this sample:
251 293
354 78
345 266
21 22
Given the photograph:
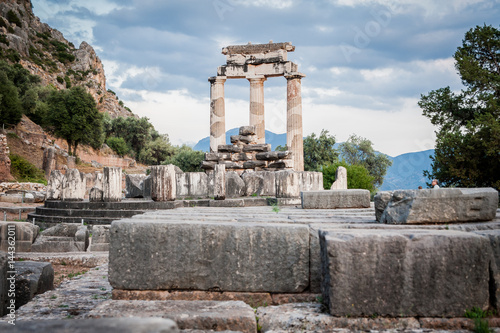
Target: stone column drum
257 107
294 137
217 113
112 184
220 182
163 184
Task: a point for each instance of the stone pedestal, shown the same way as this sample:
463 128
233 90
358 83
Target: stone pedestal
217 113
112 185
55 185
163 184
73 188
287 184
257 107
294 136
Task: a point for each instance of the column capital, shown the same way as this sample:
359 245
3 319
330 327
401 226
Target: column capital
294 75
257 78
217 79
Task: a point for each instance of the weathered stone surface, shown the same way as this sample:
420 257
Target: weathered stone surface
112 184
340 182
229 149
254 164
96 194
209 256
254 183
64 237
444 205
381 200
219 184
146 187
247 130
227 203
269 183
55 185
200 315
134 186
49 161
263 147
208 165
192 184
24 234
32 278
287 184
311 181
494 238
404 272
333 199
163 183
100 325
4 283
309 317
73 186
235 186
100 238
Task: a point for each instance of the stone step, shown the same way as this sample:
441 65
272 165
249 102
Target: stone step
87 212
70 219
194 315
122 205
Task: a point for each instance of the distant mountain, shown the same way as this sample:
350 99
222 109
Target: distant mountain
405 173
274 139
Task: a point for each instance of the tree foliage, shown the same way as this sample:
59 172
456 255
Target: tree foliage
74 117
319 150
358 177
467 150
156 151
359 151
186 158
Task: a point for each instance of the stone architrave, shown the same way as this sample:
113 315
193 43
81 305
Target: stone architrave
340 182
112 184
163 183
294 136
257 119
217 113
73 186
220 182
444 205
55 185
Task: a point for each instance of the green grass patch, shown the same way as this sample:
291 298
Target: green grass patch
24 171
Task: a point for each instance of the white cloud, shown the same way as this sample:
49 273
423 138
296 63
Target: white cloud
279 4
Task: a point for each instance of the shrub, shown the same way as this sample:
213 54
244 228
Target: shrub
13 18
24 171
68 81
358 176
60 80
4 40
12 55
118 145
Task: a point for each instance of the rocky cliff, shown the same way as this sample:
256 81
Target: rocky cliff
45 52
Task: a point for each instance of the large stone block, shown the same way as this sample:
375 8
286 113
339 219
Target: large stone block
340 182
163 183
287 184
381 200
96 194
333 199
73 186
192 184
235 186
23 233
246 257
146 187
254 183
445 205
112 184
55 185
404 273
99 325
64 237
32 278
204 316
219 182
311 181
134 185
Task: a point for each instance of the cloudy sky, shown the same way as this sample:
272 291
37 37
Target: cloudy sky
367 61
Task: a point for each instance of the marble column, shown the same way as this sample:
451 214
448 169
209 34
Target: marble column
294 136
217 113
257 107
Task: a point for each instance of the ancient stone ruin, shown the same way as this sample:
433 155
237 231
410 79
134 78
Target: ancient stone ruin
256 63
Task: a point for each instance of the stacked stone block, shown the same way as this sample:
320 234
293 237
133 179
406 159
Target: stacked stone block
246 153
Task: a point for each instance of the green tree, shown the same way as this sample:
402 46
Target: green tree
156 151
11 109
358 177
468 123
359 151
136 132
186 158
319 151
118 145
74 117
